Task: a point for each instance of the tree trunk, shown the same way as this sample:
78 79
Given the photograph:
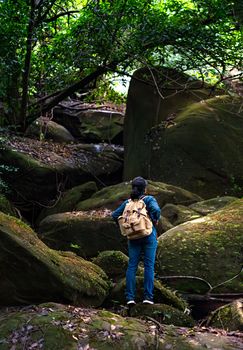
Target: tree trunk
27 65
47 106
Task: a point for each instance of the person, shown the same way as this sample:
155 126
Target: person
145 246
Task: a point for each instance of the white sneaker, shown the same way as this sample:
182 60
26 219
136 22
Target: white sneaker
131 302
148 302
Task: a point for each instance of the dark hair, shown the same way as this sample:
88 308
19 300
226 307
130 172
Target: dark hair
138 187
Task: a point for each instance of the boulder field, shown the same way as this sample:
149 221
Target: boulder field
89 229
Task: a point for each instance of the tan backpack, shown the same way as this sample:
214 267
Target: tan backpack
135 222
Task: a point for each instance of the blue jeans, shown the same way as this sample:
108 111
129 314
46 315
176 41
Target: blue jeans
147 246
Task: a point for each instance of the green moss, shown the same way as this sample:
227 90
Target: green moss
90 233
69 278
201 151
164 314
114 263
55 326
209 248
5 206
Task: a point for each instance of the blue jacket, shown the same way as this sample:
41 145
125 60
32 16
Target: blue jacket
151 206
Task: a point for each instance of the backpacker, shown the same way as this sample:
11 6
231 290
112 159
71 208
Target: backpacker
135 222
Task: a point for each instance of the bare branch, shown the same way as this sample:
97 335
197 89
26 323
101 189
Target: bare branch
62 14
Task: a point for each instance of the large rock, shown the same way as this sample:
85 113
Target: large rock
112 196
91 125
44 169
54 326
154 96
43 128
86 233
201 151
177 214
211 205
209 248
114 263
32 273
69 200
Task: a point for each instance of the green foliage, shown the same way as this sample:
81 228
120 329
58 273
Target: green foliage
71 39
4 170
105 92
236 188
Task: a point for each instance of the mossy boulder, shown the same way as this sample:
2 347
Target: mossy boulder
48 129
165 314
69 199
177 214
149 104
112 196
201 151
43 168
211 205
54 326
114 263
86 233
209 248
228 317
31 272
91 125
162 294
5 206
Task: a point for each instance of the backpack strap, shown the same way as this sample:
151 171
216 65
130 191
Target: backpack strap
142 197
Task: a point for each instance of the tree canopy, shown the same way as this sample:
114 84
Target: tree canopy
51 49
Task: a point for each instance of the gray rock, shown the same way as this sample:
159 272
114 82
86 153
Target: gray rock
43 128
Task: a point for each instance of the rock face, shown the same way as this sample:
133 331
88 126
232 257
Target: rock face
146 108
209 247
92 125
31 272
201 150
86 233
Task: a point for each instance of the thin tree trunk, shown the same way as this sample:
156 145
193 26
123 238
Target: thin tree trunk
27 65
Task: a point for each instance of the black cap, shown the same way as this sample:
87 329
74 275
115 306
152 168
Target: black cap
139 181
